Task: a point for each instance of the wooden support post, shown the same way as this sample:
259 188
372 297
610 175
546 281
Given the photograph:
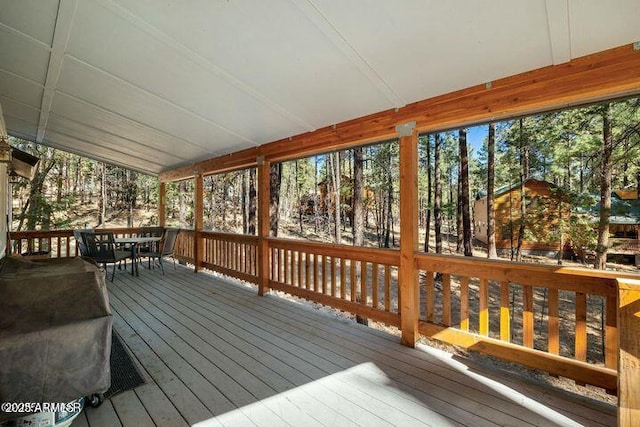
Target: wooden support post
628 352
198 242
162 204
407 273
264 177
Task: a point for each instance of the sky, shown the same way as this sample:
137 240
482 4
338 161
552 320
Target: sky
476 136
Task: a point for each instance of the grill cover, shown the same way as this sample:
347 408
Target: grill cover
55 330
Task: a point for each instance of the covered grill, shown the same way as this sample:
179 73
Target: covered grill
55 330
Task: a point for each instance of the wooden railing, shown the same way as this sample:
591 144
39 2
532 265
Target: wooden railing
184 250
359 280
58 243
232 254
557 319
538 315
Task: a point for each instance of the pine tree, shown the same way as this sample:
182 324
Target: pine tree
464 193
437 198
491 218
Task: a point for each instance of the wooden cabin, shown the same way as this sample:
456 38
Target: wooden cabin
542 217
625 214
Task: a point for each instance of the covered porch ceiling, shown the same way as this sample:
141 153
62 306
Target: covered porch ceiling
153 86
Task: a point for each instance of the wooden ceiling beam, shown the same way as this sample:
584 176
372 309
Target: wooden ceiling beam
604 75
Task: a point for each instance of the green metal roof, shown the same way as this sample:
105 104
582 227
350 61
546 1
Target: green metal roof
622 211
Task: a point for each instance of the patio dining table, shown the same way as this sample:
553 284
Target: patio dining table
134 242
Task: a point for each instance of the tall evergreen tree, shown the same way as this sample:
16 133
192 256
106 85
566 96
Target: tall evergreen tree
357 208
605 188
464 193
437 197
491 215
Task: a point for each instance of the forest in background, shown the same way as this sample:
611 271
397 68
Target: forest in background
351 196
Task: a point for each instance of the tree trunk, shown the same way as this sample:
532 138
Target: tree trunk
523 200
464 196
459 223
102 203
335 172
358 211
437 196
275 178
129 199
427 231
491 176
316 199
605 189
223 203
298 194
182 200
251 211
244 202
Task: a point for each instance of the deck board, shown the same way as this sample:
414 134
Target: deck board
130 410
219 354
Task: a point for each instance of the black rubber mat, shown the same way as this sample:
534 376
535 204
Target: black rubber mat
124 373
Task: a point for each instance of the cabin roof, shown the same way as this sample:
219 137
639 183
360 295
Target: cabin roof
623 211
156 85
507 188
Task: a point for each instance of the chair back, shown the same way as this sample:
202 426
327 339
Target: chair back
101 246
77 235
169 241
151 231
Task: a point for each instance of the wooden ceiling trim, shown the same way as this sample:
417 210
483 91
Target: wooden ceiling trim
234 161
603 75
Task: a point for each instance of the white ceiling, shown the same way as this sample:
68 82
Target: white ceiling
154 85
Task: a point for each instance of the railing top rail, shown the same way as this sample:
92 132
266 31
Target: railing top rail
241 238
577 279
64 232
27 234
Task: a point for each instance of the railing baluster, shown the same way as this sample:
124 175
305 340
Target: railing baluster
611 333
333 276
374 284
352 269
343 278
307 270
324 275
446 299
300 255
581 326
363 282
484 307
286 266
273 264
279 254
294 263
464 303
387 287
527 316
505 315
554 325
315 272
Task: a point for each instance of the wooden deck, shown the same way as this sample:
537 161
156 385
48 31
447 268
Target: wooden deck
216 353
